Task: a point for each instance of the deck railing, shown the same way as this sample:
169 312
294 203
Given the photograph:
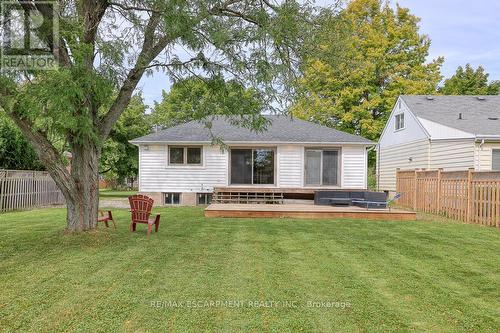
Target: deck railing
27 189
236 196
467 196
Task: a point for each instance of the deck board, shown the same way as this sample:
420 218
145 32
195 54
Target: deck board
306 211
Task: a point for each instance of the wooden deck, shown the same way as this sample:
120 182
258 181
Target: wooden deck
260 189
306 211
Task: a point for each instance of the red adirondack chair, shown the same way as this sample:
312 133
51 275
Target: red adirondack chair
140 207
106 218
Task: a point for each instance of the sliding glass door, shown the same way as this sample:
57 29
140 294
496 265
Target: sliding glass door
313 167
241 166
321 167
252 166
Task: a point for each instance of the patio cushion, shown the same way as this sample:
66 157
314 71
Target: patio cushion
358 195
376 196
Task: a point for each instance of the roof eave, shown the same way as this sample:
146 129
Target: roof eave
487 137
138 143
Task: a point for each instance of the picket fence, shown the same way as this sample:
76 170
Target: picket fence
468 196
27 189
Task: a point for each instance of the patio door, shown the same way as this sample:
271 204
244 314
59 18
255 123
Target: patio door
252 166
313 167
322 167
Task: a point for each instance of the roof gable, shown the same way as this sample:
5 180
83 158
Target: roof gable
282 129
413 130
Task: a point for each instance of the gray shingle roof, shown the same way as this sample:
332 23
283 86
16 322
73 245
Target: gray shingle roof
281 129
475 110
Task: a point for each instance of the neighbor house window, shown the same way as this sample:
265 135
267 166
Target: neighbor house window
252 166
204 199
184 155
495 165
322 167
400 121
172 198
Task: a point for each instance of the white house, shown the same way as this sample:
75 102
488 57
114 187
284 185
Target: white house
180 165
449 132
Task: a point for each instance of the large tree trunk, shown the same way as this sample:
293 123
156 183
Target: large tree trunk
80 186
83 199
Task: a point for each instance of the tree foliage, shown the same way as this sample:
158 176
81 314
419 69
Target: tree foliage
365 57
195 98
15 152
120 159
106 47
470 81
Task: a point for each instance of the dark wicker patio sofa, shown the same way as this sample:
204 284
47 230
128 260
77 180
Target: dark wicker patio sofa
365 199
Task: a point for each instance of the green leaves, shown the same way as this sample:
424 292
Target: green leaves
358 62
196 99
64 101
119 159
470 82
15 152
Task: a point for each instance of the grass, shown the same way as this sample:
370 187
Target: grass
109 194
385 276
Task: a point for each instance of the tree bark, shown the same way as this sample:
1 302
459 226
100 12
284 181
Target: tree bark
83 200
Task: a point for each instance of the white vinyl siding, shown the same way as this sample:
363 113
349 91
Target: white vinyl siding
157 176
484 155
354 167
452 154
404 156
290 166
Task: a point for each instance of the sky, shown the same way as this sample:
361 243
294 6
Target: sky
462 31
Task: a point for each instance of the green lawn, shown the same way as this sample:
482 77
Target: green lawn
386 276
107 193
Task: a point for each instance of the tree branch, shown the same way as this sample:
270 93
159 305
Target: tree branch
47 154
61 53
93 12
128 8
45 150
149 52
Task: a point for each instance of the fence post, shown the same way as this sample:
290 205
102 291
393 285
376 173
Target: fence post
438 188
469 194
415 192
398 181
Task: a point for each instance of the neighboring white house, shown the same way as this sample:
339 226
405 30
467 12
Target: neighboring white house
449 132
180 165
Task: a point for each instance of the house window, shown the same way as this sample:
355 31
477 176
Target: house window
184 155
252 166
495 165
204 199
400 121
322 167
172 198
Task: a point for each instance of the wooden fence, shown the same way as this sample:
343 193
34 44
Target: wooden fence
27 189
468 196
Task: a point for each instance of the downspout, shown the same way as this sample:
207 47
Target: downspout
479 156
429 154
